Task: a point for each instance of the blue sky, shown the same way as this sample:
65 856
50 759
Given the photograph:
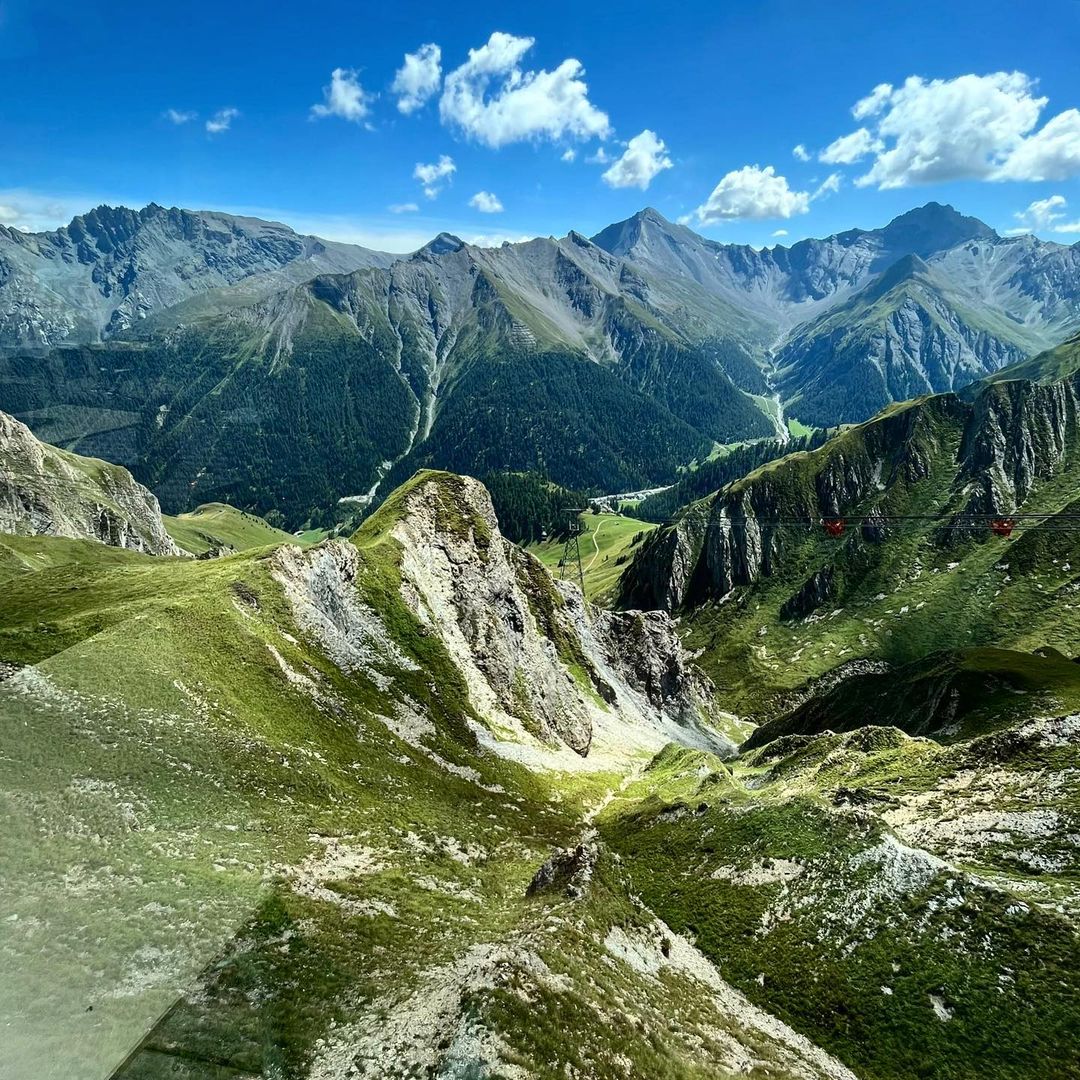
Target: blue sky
696 107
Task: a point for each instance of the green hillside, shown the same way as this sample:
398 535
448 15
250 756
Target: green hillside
216 525
258 823
607 545
1048 367
798 604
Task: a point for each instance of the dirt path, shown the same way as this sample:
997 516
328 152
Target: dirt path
596 546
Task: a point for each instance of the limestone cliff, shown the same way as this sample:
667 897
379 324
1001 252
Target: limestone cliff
540 664
45 491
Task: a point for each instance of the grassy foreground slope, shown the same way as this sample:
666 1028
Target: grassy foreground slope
256 825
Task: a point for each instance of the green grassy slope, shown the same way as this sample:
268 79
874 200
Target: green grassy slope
1048 367
226 856
215 525
606 548
166 762
898 901
897 595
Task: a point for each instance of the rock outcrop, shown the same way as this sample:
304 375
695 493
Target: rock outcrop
529 648
534 656
45 491
942 455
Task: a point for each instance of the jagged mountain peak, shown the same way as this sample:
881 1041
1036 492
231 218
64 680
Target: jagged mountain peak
114 267
442 244
934 227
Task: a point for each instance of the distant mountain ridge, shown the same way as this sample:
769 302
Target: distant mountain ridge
229 359
988 301
112 267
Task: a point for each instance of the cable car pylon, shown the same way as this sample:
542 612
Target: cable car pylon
571 555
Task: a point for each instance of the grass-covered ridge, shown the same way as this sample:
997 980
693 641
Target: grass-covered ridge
774 614
213 526
273 828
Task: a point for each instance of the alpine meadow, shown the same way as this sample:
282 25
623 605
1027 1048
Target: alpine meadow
539 544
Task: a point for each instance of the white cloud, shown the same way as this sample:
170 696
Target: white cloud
491 99
601 157
403 208
752 194
780 232
850 148
486 203
1052 153
418 78
644 157
344 97
31 211
1046 215
221 120
180 116
873 103
491 240
973 127
800 153
431 175
569 154
829 186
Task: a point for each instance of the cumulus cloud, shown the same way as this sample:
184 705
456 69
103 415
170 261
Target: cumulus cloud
431 175
850 148
494 101
569 154
829 186
1052 153
403 208
752 194
644 157
486 203
972 127
180 116
1046 215
344 97
600 157
874 102
418 78
800 153
221 120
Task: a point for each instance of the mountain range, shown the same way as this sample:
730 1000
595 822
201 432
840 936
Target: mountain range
224 358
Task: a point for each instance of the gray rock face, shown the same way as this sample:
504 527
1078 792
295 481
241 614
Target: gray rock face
532 654
991 451
48 492
1019 433
113 267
